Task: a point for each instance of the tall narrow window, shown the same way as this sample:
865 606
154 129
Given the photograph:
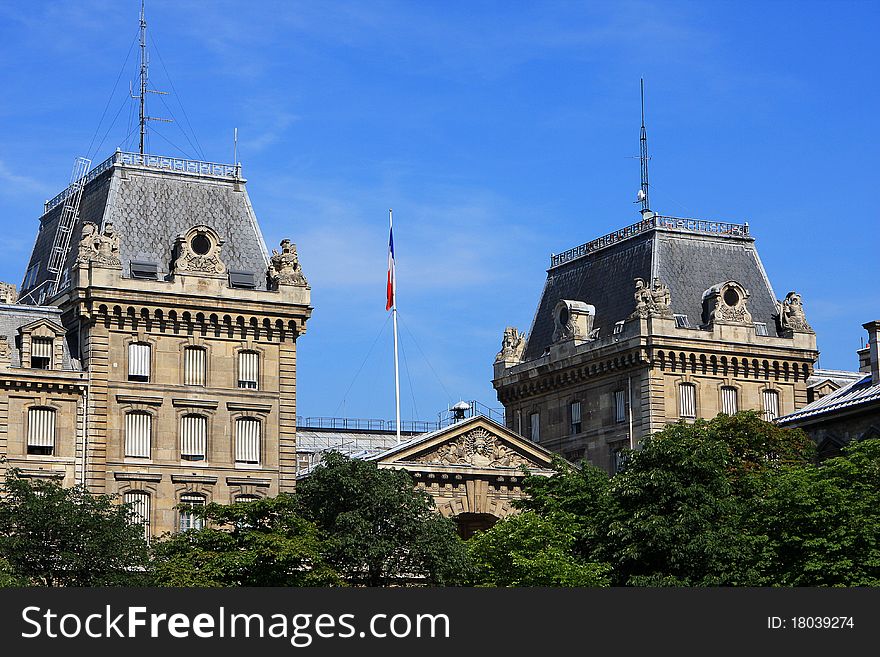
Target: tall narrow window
248 369
195 366
139 509
687 400
535 426
728 400
138 362
41 353
575 417
619 406
138 431
41 431
193 437
771 405
247 440
189 519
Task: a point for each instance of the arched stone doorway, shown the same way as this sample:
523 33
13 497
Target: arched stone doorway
470 523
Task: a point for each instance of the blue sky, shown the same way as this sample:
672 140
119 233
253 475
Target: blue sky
499 132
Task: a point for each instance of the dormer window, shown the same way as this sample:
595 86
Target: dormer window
41 353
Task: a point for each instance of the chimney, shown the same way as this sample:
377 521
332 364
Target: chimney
873 329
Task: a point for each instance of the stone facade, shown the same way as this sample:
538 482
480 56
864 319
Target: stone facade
683 324
186 338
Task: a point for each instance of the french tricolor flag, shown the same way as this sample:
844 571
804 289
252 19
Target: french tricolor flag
391 299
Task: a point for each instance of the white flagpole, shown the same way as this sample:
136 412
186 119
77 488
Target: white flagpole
394 317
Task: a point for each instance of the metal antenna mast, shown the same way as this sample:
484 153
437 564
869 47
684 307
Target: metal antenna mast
643 154
144 71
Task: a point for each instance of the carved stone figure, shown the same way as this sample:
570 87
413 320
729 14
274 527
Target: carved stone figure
791 315
512 346
653 300
284 267
478 448
101 249
5 351
8 293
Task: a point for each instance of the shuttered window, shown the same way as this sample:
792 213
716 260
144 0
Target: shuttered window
195 366
535 425
728 400
138 430
193 437
771 405
247 440
687 400
139 509
188 519
138 361
41 353
248 369
576 417
41 431
619 406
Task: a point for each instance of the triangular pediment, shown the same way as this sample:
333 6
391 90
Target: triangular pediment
42 328
477 443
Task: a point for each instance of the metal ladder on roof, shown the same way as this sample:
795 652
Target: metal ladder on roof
66 222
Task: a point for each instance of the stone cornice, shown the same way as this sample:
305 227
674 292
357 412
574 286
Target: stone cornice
193 479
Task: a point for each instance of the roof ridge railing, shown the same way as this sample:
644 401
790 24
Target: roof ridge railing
161 162
702 226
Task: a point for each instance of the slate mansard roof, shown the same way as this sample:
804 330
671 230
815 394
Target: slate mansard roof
151 200
688 255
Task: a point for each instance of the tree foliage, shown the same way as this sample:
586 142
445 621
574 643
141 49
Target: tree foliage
55 536
257 543
379 529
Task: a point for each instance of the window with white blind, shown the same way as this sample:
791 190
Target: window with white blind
195 366
619 406
139 509
687 400
729 403
575 417
535 426
771 405
189 502
41 353
248 369
138 432
138 361
41 431
193 437
247 440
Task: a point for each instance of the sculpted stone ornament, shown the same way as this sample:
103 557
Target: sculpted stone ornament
284 267
5 351
477 448
97 248
8 293
791 315
573 320
198 252
653 300
725 303
513 345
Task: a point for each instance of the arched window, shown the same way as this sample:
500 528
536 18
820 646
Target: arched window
139 362
41 431
193 437
771 405
138 434
248 369
189 519
195 366
729 402
139 509
687 400
247 440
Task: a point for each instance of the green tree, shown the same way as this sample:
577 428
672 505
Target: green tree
55 536
258 543
532 550
381 530
824 521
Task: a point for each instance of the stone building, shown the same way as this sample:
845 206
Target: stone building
849 412
667 319
173 338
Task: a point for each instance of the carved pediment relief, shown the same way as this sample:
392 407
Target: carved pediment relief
725 303
198 252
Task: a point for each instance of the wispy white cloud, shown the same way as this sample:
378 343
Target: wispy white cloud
15 184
